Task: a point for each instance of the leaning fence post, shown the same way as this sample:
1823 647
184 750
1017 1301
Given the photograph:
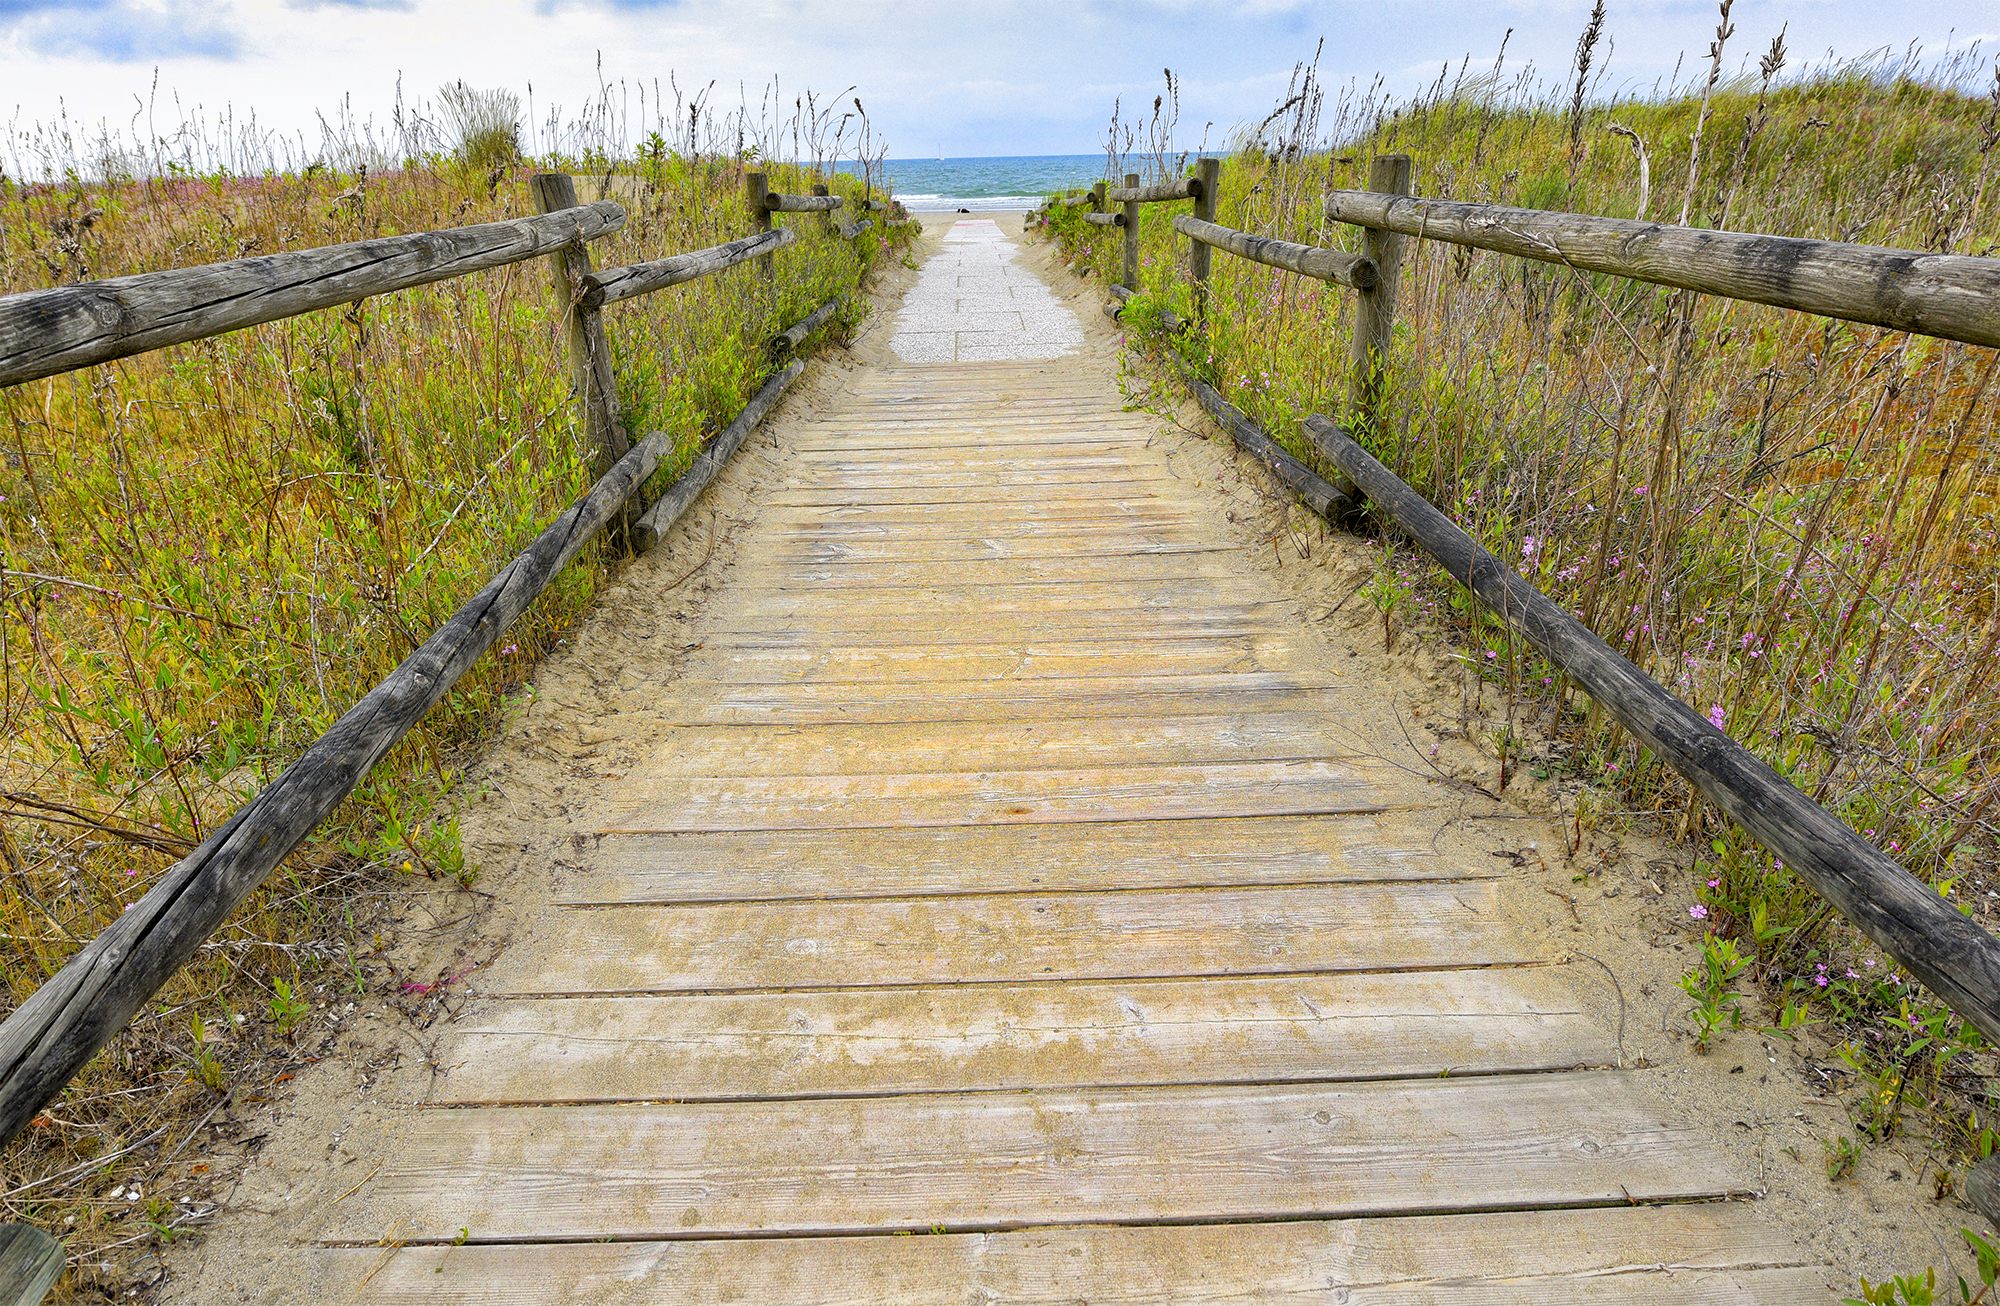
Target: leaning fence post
583 329
1375 310
758 190
1209 174
1131 234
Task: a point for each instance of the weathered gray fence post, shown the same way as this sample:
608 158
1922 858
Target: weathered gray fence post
583 329
1375 310
757 189
1131 234
1209 173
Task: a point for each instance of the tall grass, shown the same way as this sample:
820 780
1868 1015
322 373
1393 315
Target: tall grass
211 551
1789 521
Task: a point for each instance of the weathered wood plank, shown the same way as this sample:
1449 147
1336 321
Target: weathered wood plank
1163 933
985 1038
997 1161
840 575
978 700
845 749
1711 1254
1155 792
1337 266
1952 296
1949 951
30 1263
1022 660
43 332
614 284
808 864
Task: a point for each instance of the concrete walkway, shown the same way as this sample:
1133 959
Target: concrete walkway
974 304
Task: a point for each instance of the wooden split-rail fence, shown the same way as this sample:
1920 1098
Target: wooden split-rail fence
64 1023
1948 296
47 1040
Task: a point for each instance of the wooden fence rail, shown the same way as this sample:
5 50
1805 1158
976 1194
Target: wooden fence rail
1355 271
777 203
613 284
49 1038
1947 950
1954 297
1951 296
64 1023
44 332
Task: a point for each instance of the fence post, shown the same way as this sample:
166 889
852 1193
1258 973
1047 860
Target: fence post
1131 236
583 329
1375 310
1097 198
1209 173
757 189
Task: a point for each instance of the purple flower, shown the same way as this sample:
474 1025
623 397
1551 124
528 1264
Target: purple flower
1715 883
1820 980
1717 715
1699 912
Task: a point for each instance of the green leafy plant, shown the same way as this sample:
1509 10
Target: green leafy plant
1708 982
287 1007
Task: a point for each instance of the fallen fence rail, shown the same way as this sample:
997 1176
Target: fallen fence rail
659 519
65 1022
1946 949
1954 297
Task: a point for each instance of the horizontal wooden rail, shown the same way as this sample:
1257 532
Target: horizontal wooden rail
43 332
1120 297
855 229
1105 219
1949 952
1186 188
1317 493
1338 266
614 284
777 203
657 520
1951 296
68 1019
1074 201
795 335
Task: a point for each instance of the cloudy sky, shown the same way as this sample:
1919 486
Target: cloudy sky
956 77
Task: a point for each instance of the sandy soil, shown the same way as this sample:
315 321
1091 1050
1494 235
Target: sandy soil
1621 900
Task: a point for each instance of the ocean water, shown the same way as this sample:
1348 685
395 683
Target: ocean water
1007 182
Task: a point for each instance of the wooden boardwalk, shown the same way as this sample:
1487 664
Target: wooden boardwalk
998 920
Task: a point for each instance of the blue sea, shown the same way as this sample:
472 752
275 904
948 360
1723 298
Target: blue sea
1005 182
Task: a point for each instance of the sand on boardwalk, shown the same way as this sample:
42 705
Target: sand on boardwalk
529 802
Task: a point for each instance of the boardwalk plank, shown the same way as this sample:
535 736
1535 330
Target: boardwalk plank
846 749
1123 935
1000 1161
919 799
1704 1255
1284 1029
807 864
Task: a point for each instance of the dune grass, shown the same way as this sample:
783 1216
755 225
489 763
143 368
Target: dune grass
211 551
1788 521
